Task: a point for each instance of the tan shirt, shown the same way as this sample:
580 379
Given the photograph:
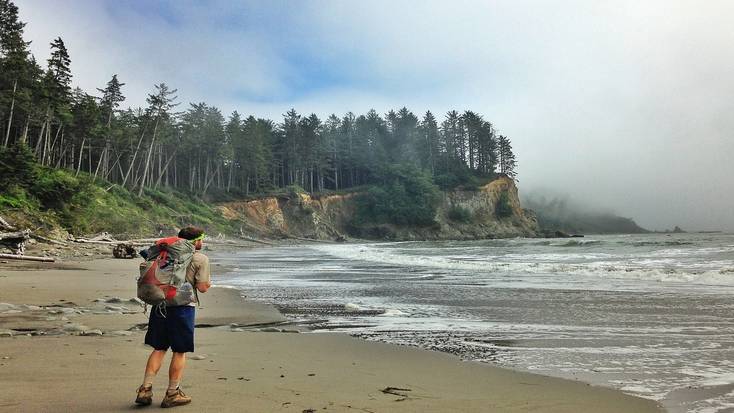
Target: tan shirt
198 271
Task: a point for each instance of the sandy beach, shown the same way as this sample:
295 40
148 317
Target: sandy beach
71 341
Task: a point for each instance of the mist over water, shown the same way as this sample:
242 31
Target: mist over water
647 314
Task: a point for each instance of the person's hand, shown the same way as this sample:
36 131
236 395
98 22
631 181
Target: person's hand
203 287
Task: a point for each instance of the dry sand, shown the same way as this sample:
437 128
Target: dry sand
49 365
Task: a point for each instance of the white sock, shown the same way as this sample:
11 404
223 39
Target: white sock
148 380
173 384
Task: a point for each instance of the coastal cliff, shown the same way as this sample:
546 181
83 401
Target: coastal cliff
333 216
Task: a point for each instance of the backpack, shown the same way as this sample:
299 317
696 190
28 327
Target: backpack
162 278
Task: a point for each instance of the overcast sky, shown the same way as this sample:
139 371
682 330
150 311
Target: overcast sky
622 105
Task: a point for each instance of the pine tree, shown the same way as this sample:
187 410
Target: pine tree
15 80
450 141
159 109
507 161
311 150
487 150
110 101
287 148
60 71
427 146
347 137
85 126
472 129
332 137
406 136
56 98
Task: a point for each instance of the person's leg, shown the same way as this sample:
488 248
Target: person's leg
175 370
181 321
155 360
145 391
174 395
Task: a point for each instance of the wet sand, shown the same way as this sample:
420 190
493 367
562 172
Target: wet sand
247 359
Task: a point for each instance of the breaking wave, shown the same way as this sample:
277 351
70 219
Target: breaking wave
492 266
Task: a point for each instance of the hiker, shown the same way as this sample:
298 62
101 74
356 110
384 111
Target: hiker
171 323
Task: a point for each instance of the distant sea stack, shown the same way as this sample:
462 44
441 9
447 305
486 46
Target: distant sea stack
561 215
331 217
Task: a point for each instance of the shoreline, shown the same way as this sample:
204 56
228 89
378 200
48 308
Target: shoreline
87 355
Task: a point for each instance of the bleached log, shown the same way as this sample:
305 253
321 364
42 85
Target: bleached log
27 257
4 224
87 241
17 235
15 240
47 240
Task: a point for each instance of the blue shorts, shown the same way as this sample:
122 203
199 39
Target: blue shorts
175 330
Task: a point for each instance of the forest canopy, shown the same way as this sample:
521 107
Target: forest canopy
196 149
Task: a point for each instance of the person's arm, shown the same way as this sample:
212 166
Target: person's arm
203 275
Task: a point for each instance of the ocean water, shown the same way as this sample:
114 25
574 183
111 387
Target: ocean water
651 315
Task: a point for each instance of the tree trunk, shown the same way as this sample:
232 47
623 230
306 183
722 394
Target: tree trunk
53 144
46 145
24 135
89 159
208 182
99 162
135 155
81 151
147 159
10 118
165 168
229 177
105 174
40 137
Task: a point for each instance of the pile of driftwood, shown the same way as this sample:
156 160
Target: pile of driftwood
15 240
123 250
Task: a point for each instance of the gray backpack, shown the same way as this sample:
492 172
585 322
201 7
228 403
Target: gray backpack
162 278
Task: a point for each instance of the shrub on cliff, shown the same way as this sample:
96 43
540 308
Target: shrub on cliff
406 197
294 191
462 178
458 213
503 209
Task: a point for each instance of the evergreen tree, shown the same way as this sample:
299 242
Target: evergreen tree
472 130
15 71
507 161
59 71
347 136
159 112
110 101
287 147
450 144
85 127
428 145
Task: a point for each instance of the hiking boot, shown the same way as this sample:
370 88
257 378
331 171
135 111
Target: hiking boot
175 398
145 396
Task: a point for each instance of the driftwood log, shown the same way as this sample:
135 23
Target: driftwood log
4 225
47 240
27 257
15 241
